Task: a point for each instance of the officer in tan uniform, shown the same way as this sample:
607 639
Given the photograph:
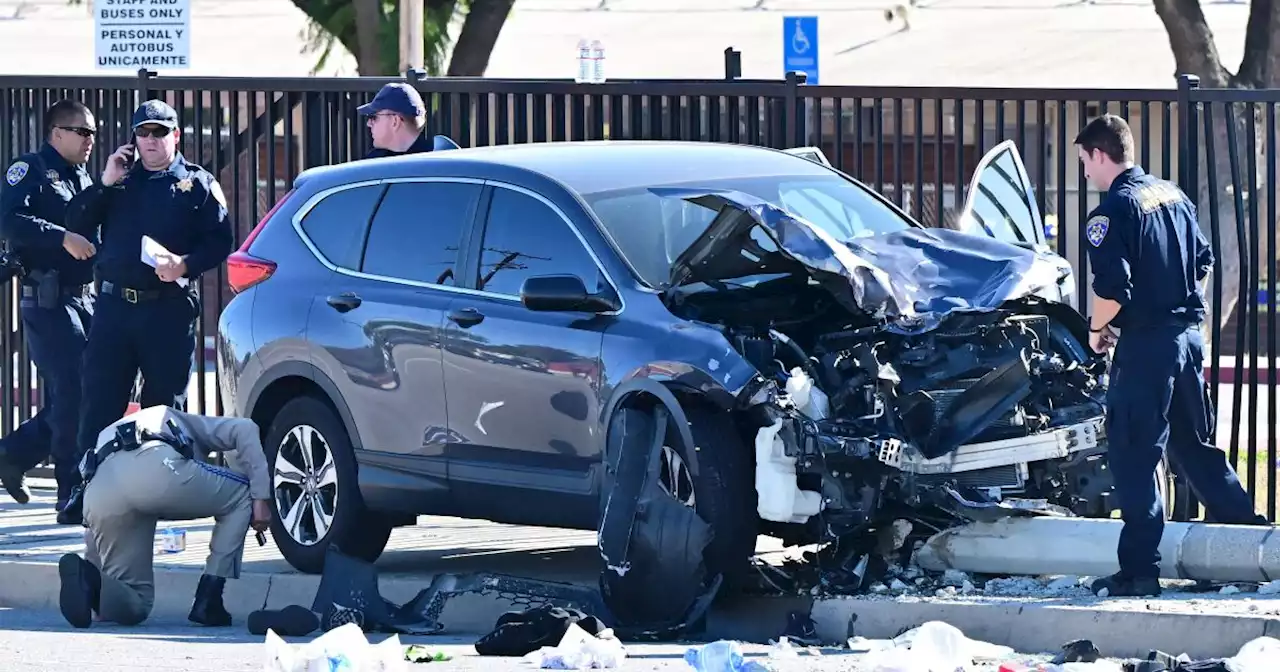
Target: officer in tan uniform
142 471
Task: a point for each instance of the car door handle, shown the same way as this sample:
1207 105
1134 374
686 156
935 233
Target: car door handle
466 317
344 302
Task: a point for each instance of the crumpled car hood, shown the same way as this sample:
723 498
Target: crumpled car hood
912 278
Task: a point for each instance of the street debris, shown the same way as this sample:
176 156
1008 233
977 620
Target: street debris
343 648
580 650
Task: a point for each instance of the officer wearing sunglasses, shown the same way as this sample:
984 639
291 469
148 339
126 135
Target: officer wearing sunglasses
172 211
55 305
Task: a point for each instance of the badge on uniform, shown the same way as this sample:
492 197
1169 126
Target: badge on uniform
184 185
1096 229
53 176
15 173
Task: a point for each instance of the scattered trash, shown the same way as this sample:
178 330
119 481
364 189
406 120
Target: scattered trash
801 629
172 540
344 648
1259 655
421 654
1229 590
520 633
1078 651
579 650
932 647
722 656
1270 588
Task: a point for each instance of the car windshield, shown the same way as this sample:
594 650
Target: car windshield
652 230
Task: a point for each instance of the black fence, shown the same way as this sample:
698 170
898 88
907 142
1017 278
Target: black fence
918 146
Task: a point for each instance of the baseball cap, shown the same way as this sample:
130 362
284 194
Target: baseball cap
395 97
155 112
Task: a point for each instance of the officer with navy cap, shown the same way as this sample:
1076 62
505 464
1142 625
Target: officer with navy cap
172 212
56 306
1149 259
396 118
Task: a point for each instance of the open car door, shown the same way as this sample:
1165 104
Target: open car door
1001 203
812 153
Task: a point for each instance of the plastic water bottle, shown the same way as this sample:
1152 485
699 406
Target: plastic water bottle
721 656
584 62
173 540
597 62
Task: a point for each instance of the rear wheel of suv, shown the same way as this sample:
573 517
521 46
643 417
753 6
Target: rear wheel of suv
314 488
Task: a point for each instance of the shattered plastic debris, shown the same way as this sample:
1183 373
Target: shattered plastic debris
1271 588
342 649
579 650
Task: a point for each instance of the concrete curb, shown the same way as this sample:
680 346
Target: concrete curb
34 585
1034 628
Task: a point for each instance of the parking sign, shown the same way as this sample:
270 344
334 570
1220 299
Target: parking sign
800 46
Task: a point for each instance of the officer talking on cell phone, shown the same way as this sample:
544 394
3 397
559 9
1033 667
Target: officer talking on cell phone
174 211
56 268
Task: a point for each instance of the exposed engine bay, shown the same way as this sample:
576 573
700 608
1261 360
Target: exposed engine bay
860 426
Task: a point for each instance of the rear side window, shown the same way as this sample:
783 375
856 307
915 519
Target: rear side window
525 238
336 225
416 233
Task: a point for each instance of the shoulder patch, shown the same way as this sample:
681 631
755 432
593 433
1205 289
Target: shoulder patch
215 190
16 172
1096 229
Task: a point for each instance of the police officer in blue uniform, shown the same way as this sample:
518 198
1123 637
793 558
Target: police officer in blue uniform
175 212
56 306
396 118
1149 259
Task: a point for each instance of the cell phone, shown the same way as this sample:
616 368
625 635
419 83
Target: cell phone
262 538
132 157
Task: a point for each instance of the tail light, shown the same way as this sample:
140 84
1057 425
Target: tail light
245 270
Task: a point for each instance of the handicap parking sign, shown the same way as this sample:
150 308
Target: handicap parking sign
800 46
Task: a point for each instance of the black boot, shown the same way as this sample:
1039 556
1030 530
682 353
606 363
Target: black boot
207 608
1120 585
12 479
80 590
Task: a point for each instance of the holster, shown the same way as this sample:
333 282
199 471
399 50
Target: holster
128 438
48 288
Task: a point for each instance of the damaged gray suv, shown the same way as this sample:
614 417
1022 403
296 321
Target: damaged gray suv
682 345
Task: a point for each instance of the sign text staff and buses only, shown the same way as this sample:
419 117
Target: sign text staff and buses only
133 34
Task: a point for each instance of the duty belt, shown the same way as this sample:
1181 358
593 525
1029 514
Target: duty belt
135 295
30 291
128 438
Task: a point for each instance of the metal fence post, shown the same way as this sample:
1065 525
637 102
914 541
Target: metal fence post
732 64
1188 139
790 121
144 86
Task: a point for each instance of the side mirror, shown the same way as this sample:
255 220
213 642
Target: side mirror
563 293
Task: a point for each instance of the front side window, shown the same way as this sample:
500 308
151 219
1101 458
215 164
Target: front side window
525 238
417 231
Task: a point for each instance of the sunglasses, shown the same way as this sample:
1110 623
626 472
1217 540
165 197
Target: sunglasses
155 132
79 130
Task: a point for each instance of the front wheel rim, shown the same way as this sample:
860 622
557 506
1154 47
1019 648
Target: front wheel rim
305 484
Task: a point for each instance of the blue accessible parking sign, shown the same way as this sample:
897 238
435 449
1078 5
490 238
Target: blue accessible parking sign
800 46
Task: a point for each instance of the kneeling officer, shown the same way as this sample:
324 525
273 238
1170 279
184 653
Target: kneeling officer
142 471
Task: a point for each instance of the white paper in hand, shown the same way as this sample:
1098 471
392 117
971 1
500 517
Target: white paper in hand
150 248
